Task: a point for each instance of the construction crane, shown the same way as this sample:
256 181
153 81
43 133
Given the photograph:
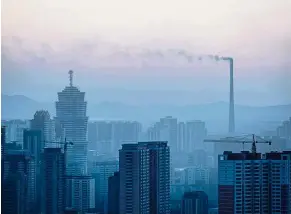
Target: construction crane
65 143
242 139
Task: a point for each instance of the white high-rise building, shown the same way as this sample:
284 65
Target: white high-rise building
71 123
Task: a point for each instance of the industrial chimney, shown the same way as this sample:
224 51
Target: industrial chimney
231 123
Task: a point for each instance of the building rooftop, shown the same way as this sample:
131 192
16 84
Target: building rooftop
194 194
245 155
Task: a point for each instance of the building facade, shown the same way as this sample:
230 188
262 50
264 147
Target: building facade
195 134
80 193
71 123
14 130
101 171
18 186
32 142
53 187
159 172
195 203
43 122
108 136
255 183
113 193
145 178
165 130
134 179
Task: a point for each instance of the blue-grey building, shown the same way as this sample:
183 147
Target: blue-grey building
32 142
71 123
195 202
18 183
101 171
113 193
53 188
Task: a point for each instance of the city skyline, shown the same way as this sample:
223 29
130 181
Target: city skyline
146 107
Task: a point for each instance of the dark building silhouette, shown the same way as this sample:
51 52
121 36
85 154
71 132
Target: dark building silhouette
101 171
71 211
195 202
18 183
3 139
32 142
134 179
43 122
113 193
53 181
3 142
255 183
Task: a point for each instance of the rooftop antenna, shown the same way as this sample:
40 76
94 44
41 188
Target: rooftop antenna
71 77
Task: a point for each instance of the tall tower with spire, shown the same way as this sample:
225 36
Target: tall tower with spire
71 123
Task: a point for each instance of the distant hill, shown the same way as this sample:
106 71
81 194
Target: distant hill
22 107
215 114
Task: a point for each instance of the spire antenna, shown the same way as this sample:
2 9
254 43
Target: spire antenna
71 77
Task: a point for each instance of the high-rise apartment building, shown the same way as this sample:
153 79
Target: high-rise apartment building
165 130
14 130
198 158
159 172
168 132
3 139
145 178
43 122
195 202
181 142
32 142
113 193
101 171
284 130
195 135
18 185
3 142
71 123
255 183
80 193
134 179
92 135
53 186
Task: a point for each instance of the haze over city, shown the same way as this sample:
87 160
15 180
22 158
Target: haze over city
121 51
146 107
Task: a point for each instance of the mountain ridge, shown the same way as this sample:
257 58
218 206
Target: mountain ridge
215 115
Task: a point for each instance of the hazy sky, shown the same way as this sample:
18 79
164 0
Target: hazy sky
47 37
